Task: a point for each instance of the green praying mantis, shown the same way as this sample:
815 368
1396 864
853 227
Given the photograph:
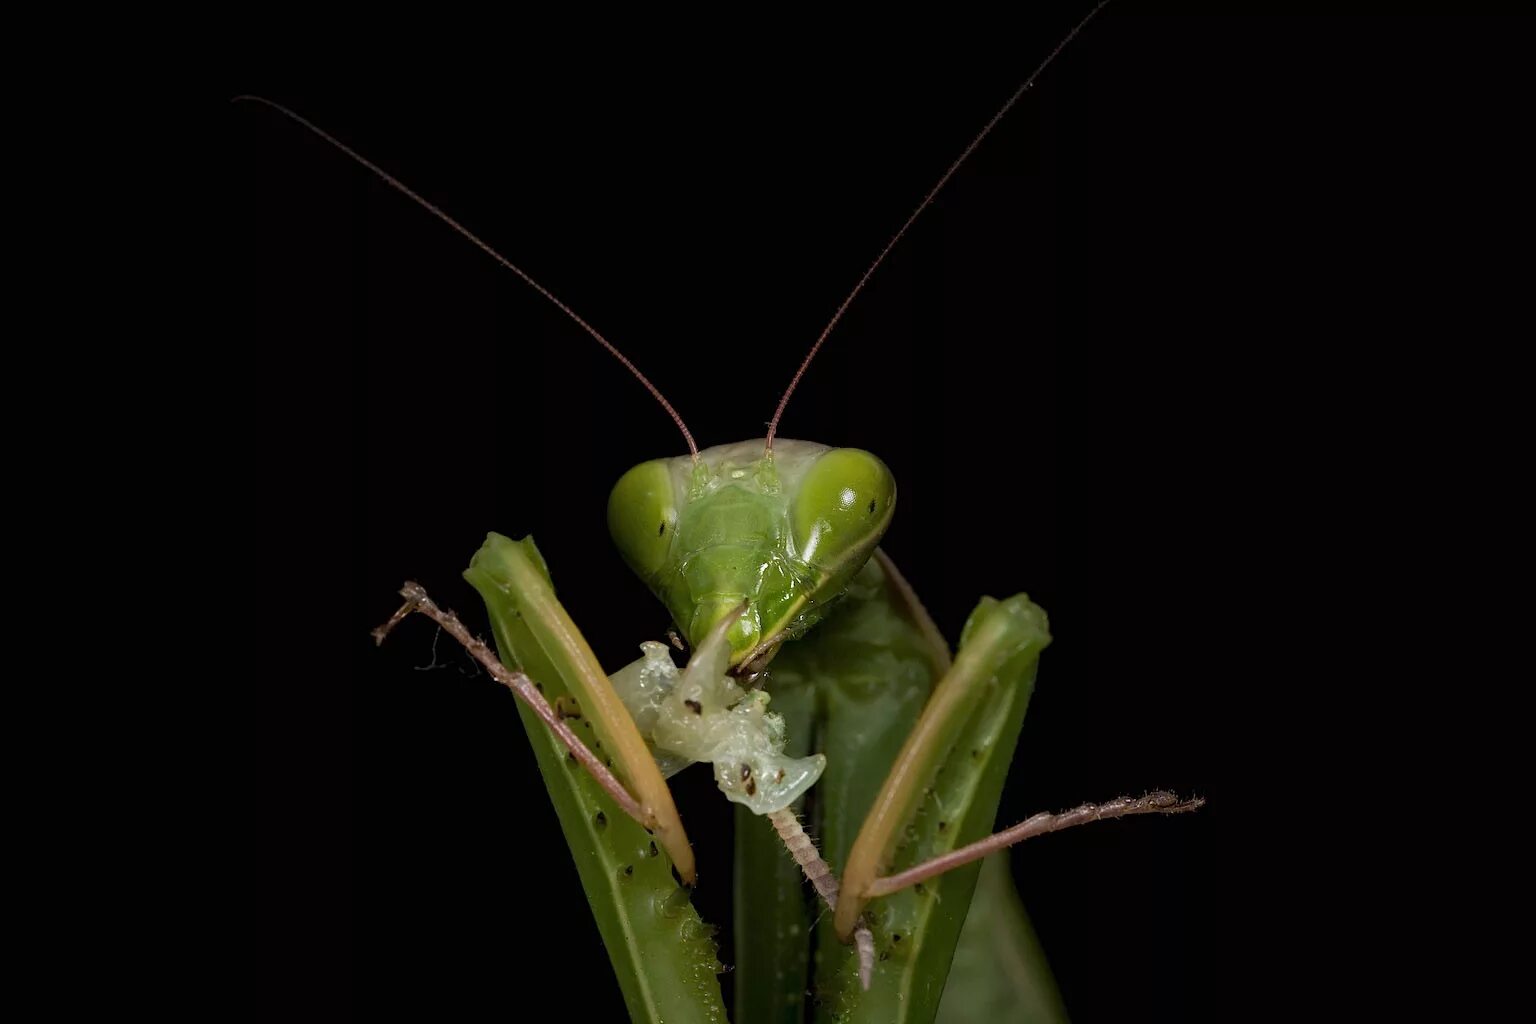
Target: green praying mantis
824 549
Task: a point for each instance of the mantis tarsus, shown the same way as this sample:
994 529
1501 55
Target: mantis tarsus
515 416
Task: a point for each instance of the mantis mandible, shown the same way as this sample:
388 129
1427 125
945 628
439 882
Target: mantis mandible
570 591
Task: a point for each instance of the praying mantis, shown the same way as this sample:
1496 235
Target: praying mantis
543 421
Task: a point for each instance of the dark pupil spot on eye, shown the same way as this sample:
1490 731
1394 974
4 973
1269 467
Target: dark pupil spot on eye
871 506
661 529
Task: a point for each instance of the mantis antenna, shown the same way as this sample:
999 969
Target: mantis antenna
404 189
773 425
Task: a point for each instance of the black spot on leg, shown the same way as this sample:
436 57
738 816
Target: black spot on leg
943 825
601 821
654 851
661 529
871 506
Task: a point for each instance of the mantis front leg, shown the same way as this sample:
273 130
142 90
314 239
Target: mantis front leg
989 684
660 950
662 953
918 751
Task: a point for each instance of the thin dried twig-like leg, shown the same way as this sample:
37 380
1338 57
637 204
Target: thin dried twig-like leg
803 848
416 600
1160 802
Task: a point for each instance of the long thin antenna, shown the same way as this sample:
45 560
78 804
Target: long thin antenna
773 424
401 187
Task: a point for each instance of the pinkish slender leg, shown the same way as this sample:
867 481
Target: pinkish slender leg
416 600
803 848
1160 802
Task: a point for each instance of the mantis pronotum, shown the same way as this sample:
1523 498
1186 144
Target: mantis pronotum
513 422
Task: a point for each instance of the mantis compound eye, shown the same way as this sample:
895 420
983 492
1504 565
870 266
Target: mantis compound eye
642 517
842 508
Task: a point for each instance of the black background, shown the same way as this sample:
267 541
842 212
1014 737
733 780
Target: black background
1088 366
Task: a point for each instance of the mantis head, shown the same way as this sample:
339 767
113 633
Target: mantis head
783 530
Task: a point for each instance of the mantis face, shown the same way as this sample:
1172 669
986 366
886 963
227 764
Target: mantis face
783 532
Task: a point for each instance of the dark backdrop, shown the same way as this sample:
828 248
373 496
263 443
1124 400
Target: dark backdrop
1058 363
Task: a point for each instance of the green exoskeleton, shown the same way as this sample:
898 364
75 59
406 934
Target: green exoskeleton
816 686
872 685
